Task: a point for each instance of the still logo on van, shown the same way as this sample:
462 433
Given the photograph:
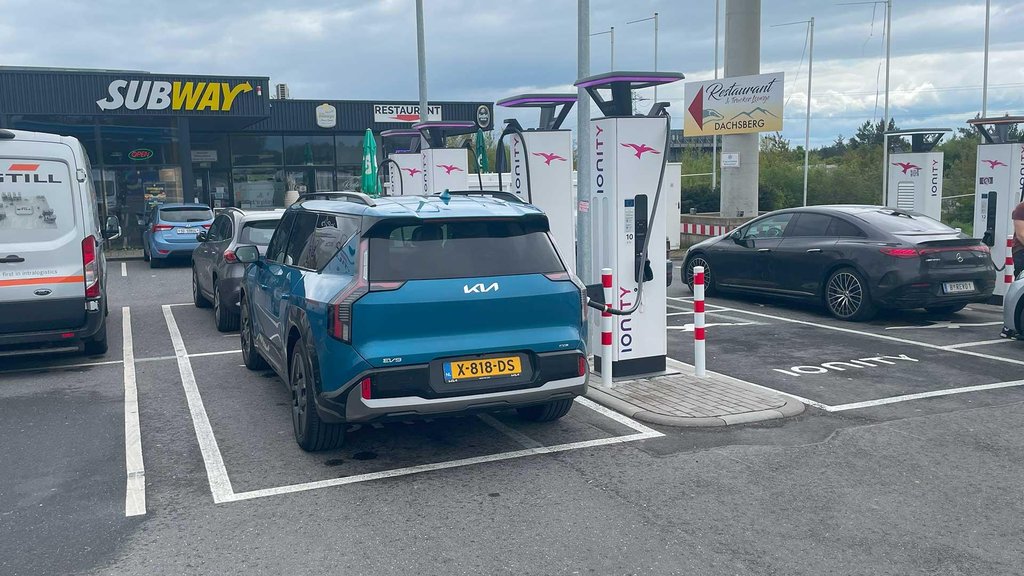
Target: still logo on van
27 174
179 96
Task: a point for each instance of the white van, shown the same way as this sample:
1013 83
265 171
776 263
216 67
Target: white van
53 293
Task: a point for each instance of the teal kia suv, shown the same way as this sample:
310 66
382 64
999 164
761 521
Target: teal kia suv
413 306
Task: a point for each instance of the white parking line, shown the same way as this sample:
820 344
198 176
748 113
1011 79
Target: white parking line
979 343
878 336
221 353
220 484
60 367
931 394
124 269
135 490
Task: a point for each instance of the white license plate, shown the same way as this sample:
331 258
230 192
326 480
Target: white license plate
192 231
957 287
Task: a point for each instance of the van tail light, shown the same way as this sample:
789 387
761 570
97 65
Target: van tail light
901 252
160 227
339 311
229 256
92 267
366 388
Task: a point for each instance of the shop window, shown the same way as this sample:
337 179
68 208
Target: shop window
258 187
210 151
144 142
350 149
309 150
256 150
82 128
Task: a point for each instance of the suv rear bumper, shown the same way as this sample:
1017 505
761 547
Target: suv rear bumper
357 409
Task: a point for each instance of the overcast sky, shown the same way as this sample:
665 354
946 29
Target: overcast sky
364 49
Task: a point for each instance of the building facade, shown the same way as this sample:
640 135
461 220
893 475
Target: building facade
222 141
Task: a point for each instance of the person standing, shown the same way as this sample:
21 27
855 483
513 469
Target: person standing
1018 240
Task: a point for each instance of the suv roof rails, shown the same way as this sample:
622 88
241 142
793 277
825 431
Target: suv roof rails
339 195
499 194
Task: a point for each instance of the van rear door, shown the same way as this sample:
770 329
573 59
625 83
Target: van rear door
42 276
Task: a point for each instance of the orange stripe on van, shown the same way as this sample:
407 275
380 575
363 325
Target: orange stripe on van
44 280
23 167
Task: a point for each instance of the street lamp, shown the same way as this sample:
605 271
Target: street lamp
810 75
655 18
610 31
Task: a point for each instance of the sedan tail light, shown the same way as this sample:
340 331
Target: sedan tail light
207 226
92 267
160 227
229 256
901 252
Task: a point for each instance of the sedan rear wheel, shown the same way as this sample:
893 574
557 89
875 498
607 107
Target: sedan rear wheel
847 296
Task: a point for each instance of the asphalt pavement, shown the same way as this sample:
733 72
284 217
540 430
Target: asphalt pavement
898 466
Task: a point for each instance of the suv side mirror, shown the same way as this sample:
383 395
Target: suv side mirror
112 228
247 254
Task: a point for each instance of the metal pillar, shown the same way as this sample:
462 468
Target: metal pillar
421 57
742 57
584 223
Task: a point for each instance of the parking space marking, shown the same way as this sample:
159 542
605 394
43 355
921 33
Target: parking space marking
60 367
879 336
124 269
156 359
979 343
946 324
135 489
180 304
687 368
918 396
220 483
517 436
642 433
221 353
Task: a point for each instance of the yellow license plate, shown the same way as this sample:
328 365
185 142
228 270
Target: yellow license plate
486 368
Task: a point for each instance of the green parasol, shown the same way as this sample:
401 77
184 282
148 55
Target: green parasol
369 184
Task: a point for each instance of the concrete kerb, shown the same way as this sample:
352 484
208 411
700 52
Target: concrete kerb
790 406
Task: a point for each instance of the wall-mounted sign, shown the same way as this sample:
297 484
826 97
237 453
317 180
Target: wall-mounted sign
738 105
140 154
730 160
178 96
483 116
204 155
326 116
407 113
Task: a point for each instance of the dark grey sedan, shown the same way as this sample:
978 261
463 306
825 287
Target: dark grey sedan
216 271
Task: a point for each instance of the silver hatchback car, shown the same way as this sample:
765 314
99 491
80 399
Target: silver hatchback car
216 272
1013 310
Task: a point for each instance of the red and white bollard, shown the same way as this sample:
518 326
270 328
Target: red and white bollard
698 322
1008 263
606 328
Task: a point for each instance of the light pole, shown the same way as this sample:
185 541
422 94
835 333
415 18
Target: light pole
714 139
584 225
810 75
421 61
610 31
655 18
984 81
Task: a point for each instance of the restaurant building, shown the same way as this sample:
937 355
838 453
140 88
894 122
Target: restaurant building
219 140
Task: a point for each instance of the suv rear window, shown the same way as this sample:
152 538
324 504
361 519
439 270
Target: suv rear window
908 223
460 249
185 214
36 202
259 232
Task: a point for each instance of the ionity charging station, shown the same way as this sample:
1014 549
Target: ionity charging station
999 187
914 172
628 154
443 168
404 162
541 165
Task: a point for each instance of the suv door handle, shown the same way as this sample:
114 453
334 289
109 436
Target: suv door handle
12 259
814 249
764 249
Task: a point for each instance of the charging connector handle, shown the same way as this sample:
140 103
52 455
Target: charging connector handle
380 170
513 127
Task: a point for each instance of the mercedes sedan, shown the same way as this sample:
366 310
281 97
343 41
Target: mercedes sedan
852 259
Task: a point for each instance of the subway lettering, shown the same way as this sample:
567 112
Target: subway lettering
179 96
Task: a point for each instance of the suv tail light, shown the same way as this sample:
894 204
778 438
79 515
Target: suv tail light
229 256
583 366
160 227
567 277
339 311
366 388
92 267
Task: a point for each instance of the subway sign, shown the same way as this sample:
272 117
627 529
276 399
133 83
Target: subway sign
176 96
